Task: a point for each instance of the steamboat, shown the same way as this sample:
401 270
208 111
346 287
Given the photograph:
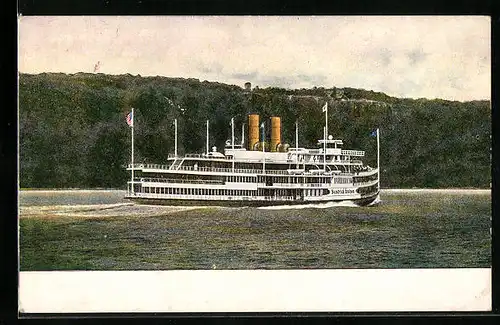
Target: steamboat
257 173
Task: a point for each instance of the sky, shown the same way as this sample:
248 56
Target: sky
446 57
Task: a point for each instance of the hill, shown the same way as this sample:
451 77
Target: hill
72 130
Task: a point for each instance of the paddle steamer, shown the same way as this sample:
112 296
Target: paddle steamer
257 173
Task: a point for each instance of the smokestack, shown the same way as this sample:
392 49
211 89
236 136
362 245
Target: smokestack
275 133
253 130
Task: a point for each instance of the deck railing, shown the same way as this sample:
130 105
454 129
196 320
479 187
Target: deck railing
357 153
211 197
279 185
225 170
208 169
182 181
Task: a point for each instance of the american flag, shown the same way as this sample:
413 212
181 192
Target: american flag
130 119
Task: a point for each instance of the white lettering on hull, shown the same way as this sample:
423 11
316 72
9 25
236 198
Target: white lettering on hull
341 191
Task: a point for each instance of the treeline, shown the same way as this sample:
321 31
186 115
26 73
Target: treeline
72 130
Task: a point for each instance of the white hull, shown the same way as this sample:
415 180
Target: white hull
242 176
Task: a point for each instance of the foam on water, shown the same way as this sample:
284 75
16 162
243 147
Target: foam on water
376 201
349 204
100 210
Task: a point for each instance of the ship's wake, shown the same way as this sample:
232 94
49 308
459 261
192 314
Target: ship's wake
132 209
100 210
326 205
375 202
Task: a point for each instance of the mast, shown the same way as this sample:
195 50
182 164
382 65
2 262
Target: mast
325 109
207 137
297 143
232 139
325 134
263 147
324 150
132 152
242 134
378 158
175 126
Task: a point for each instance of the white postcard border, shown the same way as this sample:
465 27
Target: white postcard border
339 290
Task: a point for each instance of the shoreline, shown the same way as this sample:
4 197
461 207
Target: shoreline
70 190
384 190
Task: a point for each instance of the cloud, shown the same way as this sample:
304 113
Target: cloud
415 56
384 56
245 76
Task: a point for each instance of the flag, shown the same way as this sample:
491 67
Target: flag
325 107
373 133
130 119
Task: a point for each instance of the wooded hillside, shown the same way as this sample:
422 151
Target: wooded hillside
72 130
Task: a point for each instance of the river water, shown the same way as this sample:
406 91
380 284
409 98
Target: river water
99 230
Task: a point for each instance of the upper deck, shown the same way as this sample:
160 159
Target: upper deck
156 168
293 155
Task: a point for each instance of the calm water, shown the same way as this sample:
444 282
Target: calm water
98 230
70 197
